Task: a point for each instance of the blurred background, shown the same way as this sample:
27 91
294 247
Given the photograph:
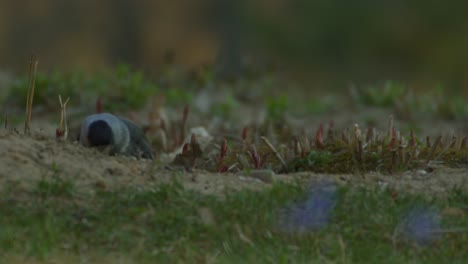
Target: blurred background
326 43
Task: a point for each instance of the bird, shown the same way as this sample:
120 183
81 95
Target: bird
116 134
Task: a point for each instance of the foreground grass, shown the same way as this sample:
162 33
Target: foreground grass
170 224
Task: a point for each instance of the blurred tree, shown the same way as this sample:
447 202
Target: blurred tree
227 27
364 39
125 36
361 40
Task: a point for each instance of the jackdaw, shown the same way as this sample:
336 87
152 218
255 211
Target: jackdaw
116 134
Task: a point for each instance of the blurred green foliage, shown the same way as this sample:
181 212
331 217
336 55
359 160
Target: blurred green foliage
122 87
131 86
437 101
168 223
277 106
320 105
362 41
315 159
178 96
383 96
226 108
366 40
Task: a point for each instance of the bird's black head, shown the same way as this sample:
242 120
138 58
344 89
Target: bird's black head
100 133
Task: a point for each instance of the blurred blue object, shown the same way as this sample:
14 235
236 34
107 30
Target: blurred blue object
422 225
313 213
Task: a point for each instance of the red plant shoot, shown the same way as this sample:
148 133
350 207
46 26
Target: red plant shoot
193 139
185 149
330 131
99 105
223 169
223 150
393 141
244 133
412 141
59 133
319 138
392 144
183 122
222 155
255 157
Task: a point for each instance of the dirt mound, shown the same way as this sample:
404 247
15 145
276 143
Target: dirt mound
27 159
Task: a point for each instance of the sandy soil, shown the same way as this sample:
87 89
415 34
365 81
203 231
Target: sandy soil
27 159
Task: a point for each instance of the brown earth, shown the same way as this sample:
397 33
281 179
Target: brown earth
27 159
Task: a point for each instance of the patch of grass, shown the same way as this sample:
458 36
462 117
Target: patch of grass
123 84
48 86
131 87
171 224
348 151
408 103
277 106
177 96
384 96
320 106
57 187
314 160
225 109
447 106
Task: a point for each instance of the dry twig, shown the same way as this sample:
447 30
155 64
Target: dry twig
61 133
29 100
278 156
